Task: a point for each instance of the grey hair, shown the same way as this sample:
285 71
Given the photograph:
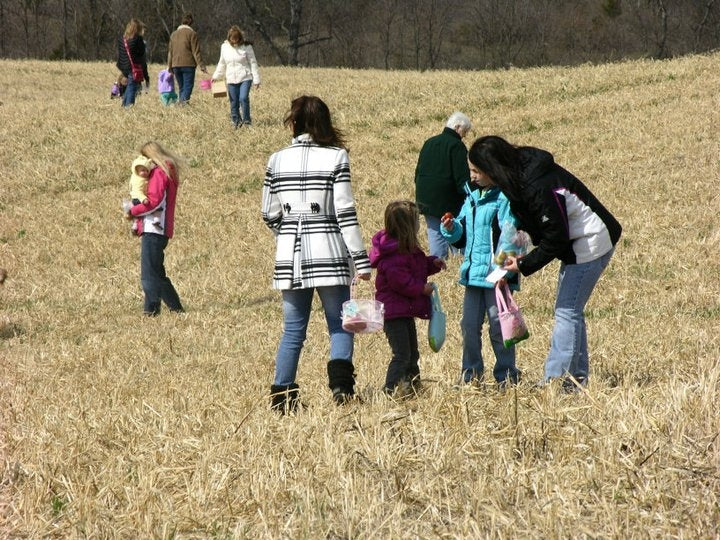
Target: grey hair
459 120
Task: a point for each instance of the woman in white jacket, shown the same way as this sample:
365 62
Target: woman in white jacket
307 202
239 67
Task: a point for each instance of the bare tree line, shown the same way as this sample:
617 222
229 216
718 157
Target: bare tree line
384 34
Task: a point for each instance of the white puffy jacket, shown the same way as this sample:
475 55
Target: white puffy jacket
237 64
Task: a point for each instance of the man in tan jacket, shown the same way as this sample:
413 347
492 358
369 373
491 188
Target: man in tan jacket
184 57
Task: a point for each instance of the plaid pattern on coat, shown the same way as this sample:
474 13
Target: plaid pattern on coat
308 203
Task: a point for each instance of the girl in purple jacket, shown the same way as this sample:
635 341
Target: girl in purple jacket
402 285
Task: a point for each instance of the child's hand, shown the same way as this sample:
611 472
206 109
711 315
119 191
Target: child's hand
364 276
447 221
440 263
428 289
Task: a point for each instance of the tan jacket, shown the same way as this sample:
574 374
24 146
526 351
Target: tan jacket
184 48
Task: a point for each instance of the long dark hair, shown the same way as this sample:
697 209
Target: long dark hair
309 114
500 160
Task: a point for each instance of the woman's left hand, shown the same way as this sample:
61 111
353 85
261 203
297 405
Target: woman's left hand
511 264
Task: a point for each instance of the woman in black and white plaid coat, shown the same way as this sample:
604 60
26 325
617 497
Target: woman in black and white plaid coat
308 204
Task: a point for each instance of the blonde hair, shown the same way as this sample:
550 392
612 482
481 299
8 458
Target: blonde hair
167 161
133 28
402 222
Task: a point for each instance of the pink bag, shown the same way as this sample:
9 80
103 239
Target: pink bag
512 324
136 71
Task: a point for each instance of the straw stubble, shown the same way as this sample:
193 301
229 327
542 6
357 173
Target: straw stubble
116 426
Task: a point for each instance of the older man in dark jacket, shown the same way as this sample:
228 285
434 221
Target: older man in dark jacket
440 177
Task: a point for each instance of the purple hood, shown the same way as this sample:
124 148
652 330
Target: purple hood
401 278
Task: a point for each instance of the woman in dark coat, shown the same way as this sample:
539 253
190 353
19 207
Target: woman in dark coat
566 222
133 37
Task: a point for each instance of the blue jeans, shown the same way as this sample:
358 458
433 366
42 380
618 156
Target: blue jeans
478 302
297 304
131 90
568 346
185 77
155 283
245 101
239 95
437 244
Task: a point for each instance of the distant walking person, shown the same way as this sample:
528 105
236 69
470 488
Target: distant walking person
440 177
239 67
565 221
156 227
184 56
131 52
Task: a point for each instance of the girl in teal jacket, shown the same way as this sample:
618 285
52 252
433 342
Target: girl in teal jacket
485 212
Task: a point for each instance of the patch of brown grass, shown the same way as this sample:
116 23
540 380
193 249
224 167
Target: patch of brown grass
115 426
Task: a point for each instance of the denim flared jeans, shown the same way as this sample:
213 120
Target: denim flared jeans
297 304
569 347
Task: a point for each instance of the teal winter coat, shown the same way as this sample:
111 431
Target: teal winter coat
477 229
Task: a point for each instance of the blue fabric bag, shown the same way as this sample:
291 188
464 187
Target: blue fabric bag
436 326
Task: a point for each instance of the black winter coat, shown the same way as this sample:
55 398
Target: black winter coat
136 45
561 215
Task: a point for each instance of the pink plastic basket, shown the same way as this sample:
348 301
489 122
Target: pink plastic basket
205 84
362 316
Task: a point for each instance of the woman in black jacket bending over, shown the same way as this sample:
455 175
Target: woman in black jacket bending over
132 41
565 221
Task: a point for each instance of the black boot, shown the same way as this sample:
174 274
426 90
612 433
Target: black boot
284 399
341 377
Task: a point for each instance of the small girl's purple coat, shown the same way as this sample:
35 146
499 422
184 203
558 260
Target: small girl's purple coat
401 278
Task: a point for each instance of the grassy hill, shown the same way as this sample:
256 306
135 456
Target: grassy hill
116 426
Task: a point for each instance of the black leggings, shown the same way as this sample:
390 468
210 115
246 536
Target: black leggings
402 337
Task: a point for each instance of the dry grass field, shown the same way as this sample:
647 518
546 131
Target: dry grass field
116 426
